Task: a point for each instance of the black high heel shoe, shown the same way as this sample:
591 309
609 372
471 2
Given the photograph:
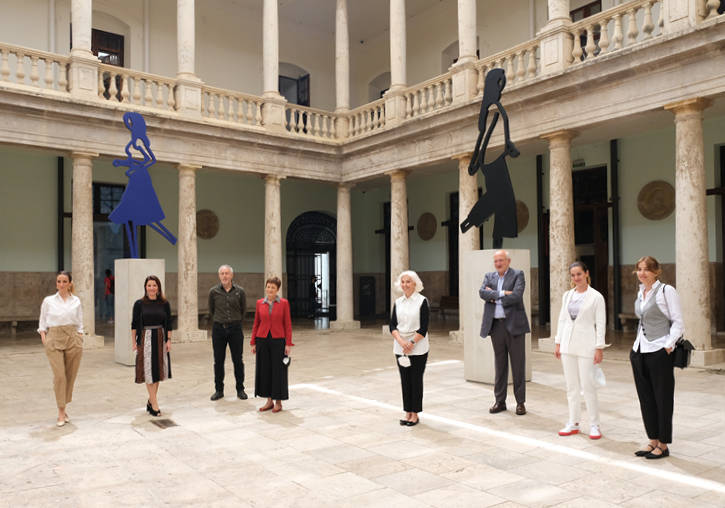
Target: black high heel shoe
151 410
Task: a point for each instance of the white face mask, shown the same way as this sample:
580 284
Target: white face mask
404 361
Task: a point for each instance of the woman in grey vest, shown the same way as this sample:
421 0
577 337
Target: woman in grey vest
660 325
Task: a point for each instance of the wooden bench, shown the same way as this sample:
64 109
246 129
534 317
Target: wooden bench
629 321
447 303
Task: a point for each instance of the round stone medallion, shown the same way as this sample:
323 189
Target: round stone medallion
207 224
522 215
656 200
427 226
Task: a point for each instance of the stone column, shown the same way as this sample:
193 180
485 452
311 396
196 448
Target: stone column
691 252
188 304
345 306
467 242
342 68
399 257
398 69
272 228
83 65
188 90
82 244
559 10
465 76
466 31
273 108
561 219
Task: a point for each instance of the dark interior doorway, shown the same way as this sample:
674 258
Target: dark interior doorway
591 224
311 265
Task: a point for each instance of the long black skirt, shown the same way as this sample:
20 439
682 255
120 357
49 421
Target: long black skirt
270 377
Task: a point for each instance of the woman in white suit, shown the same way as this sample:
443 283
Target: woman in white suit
580 345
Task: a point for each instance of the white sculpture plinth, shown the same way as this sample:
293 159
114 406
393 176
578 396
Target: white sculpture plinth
478 359
129 287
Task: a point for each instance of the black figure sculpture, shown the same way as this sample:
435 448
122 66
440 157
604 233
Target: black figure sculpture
499 197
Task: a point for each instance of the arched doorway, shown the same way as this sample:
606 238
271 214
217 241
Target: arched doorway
311 259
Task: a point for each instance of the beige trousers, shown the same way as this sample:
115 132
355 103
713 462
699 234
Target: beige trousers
64 347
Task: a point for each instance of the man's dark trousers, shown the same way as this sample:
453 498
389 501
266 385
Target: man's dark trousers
221 335
506 345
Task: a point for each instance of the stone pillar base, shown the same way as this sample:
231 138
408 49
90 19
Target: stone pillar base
556 50
465 82
93 341
547 345
189 336
188 96
478 357
130 275
273 115
83 75
344 325
708 357
394 108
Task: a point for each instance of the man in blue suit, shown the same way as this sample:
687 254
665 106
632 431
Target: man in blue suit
504 319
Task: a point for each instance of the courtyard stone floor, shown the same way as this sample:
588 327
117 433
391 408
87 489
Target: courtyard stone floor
338 442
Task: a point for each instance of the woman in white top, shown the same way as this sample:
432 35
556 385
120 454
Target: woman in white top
660 326
61 330
409 328
580 345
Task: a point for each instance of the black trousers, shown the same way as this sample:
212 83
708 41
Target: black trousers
654 378
411 382
221 336
506 345
270 377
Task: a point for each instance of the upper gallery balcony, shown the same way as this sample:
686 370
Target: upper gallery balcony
561 56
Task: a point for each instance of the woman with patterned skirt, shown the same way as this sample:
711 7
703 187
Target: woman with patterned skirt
151 338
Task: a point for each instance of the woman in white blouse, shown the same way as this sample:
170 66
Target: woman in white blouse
580 345
61 330
660 326
409 328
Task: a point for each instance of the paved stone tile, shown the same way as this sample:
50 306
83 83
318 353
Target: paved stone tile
345 447
412 481
459 496
533 493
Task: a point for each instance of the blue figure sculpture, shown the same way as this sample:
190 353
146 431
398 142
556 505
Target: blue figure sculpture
139 205
499 198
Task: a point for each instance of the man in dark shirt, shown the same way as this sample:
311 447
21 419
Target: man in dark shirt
227 304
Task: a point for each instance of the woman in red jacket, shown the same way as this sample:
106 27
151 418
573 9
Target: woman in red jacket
271 342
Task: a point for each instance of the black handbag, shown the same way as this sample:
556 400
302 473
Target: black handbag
683 347
681 353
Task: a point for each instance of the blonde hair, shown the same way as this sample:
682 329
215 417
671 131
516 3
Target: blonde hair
412 275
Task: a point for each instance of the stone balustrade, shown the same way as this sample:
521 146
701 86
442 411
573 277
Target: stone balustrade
620 27
118 84
429 96
235 107
310 122
367 118
32 68
623 26
520 63
709 9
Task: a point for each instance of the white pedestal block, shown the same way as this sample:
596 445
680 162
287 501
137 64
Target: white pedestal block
129 287
478 359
